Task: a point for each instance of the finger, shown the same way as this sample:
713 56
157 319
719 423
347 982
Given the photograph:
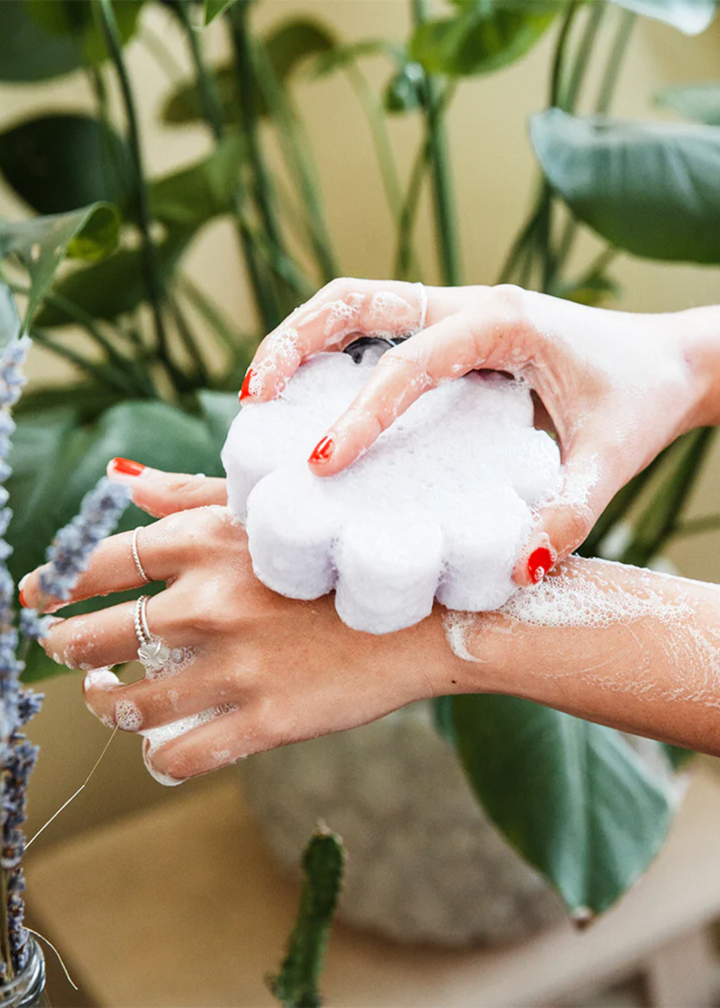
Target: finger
342 310
219 742
566 522
107 637
182 689
161 493
447 350
165 548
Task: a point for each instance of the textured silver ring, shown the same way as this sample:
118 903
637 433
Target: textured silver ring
136 555
140 620
423 306
153 653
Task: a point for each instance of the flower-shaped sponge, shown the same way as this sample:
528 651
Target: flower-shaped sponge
439 507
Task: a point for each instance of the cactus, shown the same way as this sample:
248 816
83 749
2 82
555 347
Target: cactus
323 862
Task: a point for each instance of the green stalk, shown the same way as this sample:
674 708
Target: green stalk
617 55
582 59
297 154
213 114
696 526
153 276
408 213
96 371
185 334
445 219
126 369
237 17
210 312
607 90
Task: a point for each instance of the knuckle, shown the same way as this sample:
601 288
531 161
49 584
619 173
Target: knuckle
577 527
508 300
178 762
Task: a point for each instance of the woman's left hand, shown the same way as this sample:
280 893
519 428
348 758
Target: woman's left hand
282 670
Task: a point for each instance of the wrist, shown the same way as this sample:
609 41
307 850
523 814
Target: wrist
698 333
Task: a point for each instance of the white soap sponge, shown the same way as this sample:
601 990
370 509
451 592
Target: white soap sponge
439 507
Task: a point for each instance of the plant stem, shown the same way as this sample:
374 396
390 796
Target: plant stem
617 54
153 276
408 213
559 59
237 17
297 155
213 114
97 371
434 110
582 59
696 526
185 334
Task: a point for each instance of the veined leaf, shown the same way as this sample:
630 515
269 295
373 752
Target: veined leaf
572 797
213 9
690 16
649 188
73 19
190 197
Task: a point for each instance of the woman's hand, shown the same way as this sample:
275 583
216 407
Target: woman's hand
618 387
282 670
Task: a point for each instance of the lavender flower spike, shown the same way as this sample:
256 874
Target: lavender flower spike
70 552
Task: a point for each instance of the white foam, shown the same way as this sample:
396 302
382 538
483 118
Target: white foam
155 738
441 505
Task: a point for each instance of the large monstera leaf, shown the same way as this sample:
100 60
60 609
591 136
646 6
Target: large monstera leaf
59 452
649 188
572 797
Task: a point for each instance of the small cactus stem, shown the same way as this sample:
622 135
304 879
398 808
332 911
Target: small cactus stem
323 864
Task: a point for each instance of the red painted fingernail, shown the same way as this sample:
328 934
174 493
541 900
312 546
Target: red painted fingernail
322 450
127 467
245 390
539 563
21 596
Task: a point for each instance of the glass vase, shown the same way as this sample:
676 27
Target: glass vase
27 989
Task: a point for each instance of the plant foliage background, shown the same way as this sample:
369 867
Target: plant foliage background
156 362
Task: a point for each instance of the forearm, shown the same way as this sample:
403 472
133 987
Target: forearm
632 649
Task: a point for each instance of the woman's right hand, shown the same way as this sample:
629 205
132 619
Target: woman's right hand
618 387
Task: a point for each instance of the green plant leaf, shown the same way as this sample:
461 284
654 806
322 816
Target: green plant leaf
41 243
679 758
189 198
341 56
115 286
61 162
482 38
56 458
213 9
73 19
700 102
649 188
28 52
689 16
218 410
572 797
287 47
404 90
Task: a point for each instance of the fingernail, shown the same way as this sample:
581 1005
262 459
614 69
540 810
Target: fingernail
100 677
539 563
21 592
245 390
126 467
322 450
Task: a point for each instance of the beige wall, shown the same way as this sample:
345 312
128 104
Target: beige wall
493 168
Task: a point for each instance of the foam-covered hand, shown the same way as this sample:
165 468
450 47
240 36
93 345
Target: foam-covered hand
617 386
248 670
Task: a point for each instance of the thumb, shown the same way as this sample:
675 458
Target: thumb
161 493
563 524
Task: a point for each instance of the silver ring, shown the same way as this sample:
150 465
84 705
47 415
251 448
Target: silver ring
136 556
423 306
152 654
